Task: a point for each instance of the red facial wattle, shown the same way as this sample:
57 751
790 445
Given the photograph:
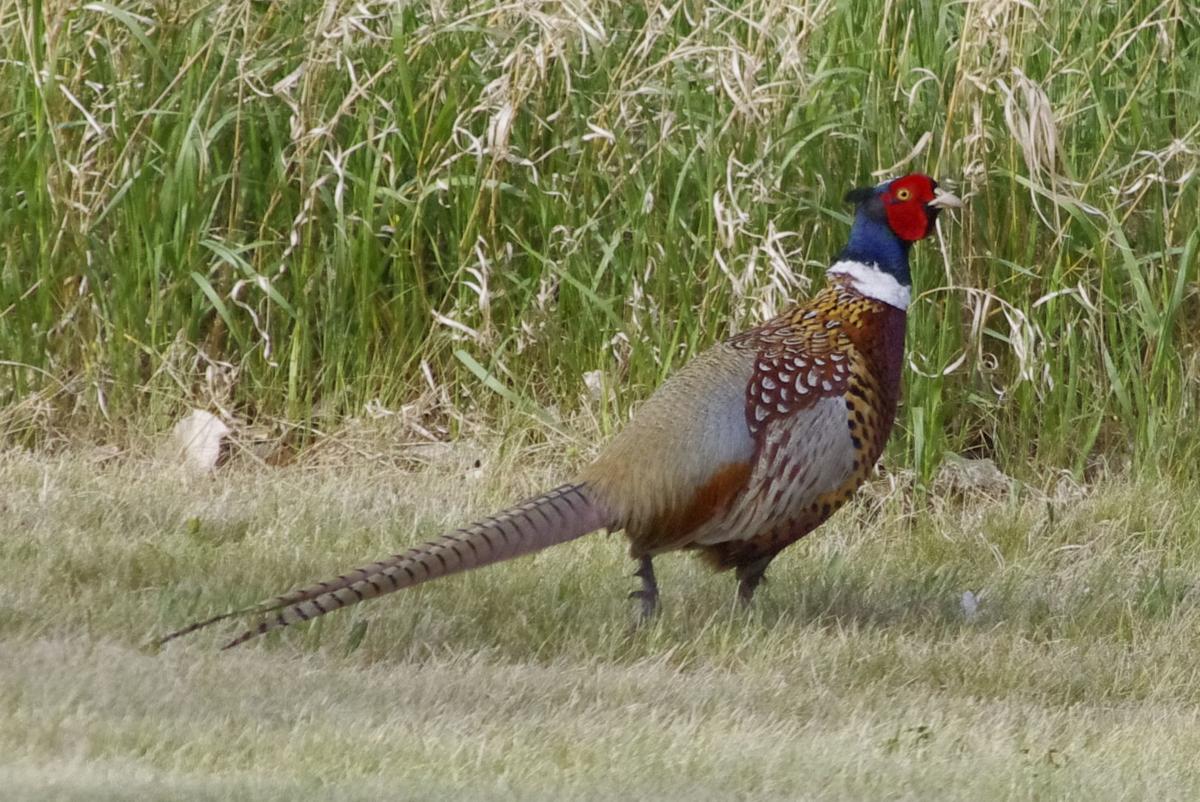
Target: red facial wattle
905 202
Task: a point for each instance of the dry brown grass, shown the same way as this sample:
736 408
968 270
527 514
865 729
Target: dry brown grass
857 676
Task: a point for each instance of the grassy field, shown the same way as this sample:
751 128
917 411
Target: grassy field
858 675
383 241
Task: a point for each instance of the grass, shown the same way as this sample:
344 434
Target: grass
358 232
858 674
287 212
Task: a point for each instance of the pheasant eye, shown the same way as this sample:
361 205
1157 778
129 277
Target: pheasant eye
903 194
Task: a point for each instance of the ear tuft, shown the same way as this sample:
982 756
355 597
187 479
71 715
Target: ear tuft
859 195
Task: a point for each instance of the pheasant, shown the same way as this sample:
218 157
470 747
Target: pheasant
750 447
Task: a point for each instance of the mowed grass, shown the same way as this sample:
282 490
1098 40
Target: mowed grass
858 674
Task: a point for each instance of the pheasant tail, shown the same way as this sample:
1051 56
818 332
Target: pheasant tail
562 514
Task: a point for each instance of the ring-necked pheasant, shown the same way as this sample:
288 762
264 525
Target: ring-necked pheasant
751 446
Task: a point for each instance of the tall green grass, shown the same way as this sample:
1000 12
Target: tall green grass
289 210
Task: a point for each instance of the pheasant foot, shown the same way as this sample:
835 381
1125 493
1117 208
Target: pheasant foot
649 591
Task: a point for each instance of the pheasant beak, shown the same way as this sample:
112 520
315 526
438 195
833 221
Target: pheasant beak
945 200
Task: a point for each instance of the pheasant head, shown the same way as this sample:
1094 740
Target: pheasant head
888 219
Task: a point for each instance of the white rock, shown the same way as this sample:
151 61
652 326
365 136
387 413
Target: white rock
594 381
198 438
970 605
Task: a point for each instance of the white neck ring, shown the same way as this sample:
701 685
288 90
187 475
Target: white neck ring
874 283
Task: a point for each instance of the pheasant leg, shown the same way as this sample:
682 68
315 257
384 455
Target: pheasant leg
649 592
750 576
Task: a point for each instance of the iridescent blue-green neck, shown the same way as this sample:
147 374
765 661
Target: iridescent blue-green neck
873 242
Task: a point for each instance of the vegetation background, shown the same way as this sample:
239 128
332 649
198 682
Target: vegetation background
359 231
292 210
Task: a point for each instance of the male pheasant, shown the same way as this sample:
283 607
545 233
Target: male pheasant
748 448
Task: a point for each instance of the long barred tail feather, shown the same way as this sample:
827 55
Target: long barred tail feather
563 514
